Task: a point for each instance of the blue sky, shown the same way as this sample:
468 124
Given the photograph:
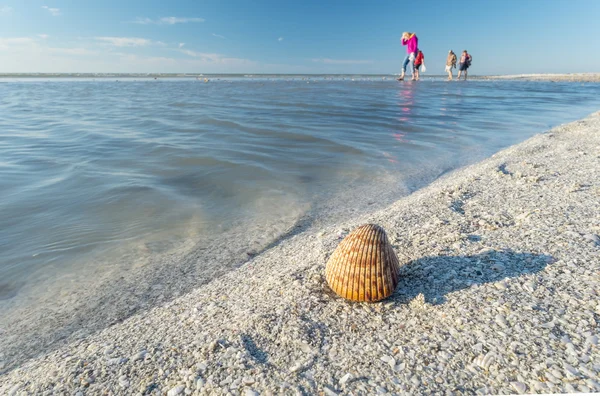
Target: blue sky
510 36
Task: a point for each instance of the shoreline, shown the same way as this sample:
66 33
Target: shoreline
498 294
551 77
571 77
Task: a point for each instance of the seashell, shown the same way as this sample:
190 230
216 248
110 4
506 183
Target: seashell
519 387
485 361
363 267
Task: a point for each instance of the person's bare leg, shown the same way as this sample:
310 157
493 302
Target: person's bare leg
450 75
465 75
458 78
404 64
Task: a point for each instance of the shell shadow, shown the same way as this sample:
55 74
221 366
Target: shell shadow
259 355
436 276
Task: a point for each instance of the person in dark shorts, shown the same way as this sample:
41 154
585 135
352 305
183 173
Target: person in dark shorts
464 64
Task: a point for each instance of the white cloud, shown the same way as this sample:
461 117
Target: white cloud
280 39
13 42
32 54
174 20
17 47
143 21
203 55
125 41
16 40
52 11
342 61
43 36
214 58
181 45
5 10
40 59
124 57
70 51
203 63
166 20
218 35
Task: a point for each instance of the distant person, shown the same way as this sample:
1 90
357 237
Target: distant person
450 64
412 46
419 60
464 64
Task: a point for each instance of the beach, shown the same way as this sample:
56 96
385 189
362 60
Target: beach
499 293
122 205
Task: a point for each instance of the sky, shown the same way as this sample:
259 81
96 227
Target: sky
309 36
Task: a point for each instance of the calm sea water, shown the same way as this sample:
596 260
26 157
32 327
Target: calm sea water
94 168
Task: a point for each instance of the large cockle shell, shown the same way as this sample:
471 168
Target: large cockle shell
363 267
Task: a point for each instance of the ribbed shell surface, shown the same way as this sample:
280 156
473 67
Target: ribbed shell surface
363 267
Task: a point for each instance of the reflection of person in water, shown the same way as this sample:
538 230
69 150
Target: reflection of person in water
412 46
406 105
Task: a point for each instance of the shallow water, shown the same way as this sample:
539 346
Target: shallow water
97 168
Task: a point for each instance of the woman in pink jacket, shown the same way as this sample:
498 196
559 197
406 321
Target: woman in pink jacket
412 47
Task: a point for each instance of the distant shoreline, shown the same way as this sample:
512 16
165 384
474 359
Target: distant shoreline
572 77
